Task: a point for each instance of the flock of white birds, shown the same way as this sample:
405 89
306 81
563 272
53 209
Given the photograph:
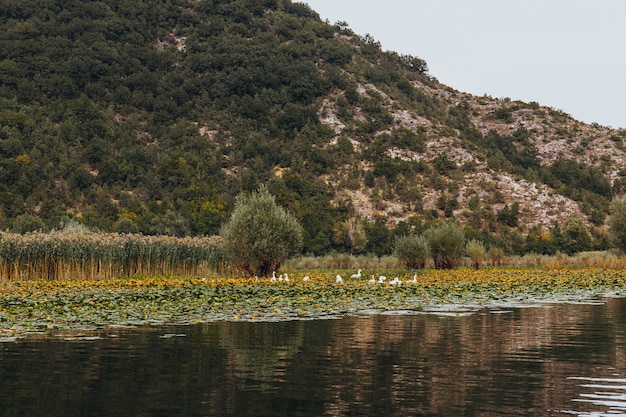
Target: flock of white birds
339 280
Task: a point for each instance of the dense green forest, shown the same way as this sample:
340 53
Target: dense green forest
151 116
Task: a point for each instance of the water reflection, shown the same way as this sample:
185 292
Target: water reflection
606 393
552 360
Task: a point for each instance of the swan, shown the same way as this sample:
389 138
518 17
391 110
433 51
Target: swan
306 278
414 280
280 278
339 280
357 275
382 278
286 277
395 281
273 279
372 281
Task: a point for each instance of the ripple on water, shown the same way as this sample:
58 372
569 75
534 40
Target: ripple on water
609 394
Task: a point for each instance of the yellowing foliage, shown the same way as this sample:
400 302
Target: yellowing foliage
46 304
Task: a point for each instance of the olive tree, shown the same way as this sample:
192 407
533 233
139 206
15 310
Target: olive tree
260 235
447 244
412 251
617 223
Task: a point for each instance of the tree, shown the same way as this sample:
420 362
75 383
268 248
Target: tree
576 237
414 64
617 223
540 241
379 240
447 203
25 223
351 236
496 255
476 251
412 250
260 234
509 215
358 236
125 225
443 164
447 243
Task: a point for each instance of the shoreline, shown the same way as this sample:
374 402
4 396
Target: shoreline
44 307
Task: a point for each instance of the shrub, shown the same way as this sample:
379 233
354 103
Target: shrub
476 251
260 234
617 223
26 223
379 239
71 225
125 225
447 243
412 250
496 256
576 238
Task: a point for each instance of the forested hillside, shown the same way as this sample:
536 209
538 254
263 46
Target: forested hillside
151 116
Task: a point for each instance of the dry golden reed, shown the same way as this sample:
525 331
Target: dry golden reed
66 255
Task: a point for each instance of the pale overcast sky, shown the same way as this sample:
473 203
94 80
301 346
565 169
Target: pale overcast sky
566 54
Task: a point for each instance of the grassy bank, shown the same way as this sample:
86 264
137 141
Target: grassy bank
599 259
46 306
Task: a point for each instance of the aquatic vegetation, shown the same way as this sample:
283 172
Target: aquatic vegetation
38 306
63 255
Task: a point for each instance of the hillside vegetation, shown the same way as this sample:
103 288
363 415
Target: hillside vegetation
151 116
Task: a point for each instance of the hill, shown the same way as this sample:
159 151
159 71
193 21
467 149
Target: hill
152 116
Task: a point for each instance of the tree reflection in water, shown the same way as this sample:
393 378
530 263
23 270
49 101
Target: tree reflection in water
531 361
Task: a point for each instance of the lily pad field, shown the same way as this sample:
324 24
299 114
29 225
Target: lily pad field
30 307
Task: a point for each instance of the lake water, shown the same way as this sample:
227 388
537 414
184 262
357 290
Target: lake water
558 360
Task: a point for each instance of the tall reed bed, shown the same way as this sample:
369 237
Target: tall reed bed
66 255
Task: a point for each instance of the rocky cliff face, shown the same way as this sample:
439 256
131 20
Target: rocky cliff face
476 182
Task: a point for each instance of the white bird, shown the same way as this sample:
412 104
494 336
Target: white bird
339 280
280 277
306 278
357 275
286 277
382 279
414 280
372 281
273 279
395 281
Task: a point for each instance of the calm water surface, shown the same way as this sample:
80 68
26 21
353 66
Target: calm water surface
559 360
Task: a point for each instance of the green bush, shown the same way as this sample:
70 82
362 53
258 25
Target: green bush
260 234
412 250
617 223
125 225
476 251
576 238
447 244
25 223
379 239
496 255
